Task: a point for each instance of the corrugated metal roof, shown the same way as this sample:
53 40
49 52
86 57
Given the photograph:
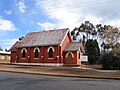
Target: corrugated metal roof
43 38
14 46
74 46
4 52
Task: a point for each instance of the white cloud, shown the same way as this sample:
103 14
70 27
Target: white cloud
21 5
6 25
71 14
93 19
47 25
115 23
65 17
9 12
7 43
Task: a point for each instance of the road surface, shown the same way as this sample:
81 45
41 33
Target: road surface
17 81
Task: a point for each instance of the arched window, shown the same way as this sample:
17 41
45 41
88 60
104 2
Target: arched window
50 52
69 53
70 57
24 51
36 53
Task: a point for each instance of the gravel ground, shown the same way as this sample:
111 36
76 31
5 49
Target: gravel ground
63 71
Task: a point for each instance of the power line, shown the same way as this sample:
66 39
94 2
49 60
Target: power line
75 5
117 11
78 5
43 3
69 7
31 4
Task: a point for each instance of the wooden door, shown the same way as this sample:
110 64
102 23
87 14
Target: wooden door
69 58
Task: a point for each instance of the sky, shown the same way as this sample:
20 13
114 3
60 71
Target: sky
19 17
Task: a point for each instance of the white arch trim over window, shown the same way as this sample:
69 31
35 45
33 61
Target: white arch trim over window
24 49
37 49
50 48
70 53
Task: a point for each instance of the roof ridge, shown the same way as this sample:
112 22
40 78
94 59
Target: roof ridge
48 30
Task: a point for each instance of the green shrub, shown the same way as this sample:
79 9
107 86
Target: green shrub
115 59
110 60
105 60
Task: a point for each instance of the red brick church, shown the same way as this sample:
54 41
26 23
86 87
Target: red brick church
52 48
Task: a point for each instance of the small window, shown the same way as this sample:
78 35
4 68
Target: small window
50 53
24 54
36 53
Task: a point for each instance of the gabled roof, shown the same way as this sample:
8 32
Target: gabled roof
44 38
13 48
74 46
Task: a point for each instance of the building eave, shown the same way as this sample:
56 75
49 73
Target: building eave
39 45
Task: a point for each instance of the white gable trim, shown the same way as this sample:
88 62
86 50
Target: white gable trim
24 49
65 37
37 49
52 49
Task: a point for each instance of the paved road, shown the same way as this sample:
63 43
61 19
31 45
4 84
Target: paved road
17 81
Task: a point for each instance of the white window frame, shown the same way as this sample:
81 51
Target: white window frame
48 51
38 52
25 52
70 53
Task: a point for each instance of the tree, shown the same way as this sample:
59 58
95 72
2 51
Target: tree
88 36
6 50
85 31
73 33
116 46
1 49
88 30
108 34
21 38
110 60
92 50
105 60
115 58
